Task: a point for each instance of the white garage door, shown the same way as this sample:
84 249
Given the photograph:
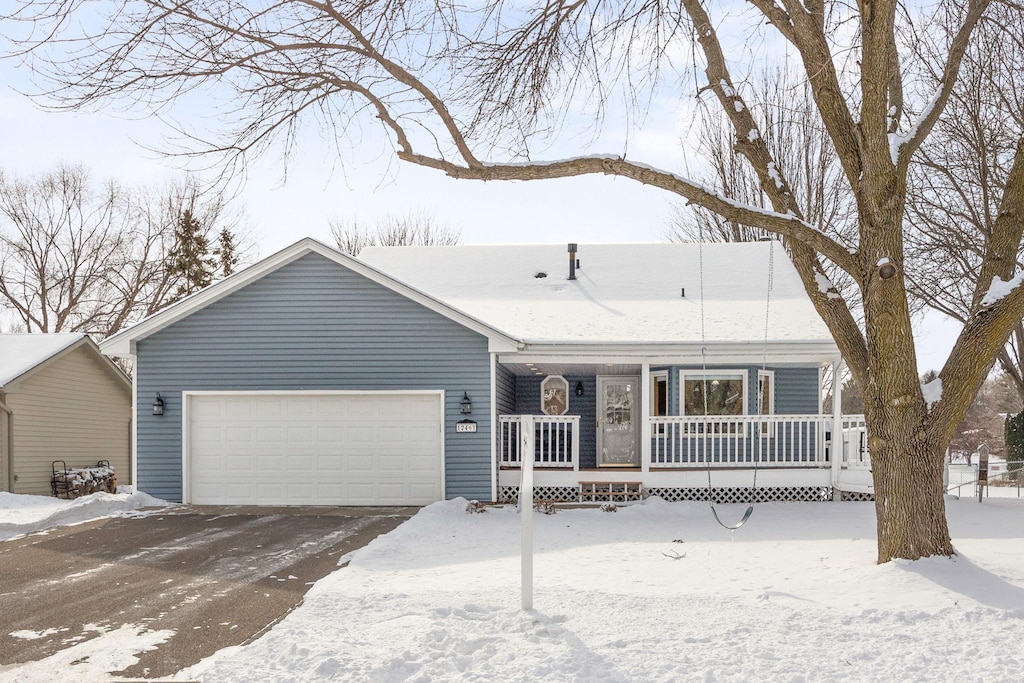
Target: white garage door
355 448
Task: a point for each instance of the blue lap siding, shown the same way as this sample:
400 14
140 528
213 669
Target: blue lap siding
313 324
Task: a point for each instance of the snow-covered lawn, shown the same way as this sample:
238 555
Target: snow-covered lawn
657 592
651 592
20 514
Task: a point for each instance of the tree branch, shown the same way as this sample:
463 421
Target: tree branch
908 144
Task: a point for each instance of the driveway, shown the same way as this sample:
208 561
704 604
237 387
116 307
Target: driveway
214 576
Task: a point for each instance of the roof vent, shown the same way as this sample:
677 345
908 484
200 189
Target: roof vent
540 275
573 264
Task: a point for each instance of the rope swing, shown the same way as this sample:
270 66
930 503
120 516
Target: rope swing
704 387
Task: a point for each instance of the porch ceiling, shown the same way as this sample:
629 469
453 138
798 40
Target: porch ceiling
565 369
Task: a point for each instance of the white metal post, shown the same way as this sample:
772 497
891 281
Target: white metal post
838 438
526 507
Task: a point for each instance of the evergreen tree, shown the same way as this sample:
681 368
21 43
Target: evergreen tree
190 261
227 252
1015 443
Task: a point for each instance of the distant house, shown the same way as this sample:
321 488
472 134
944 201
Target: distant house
405 376
60 399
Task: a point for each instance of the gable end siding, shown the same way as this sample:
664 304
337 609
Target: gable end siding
313 325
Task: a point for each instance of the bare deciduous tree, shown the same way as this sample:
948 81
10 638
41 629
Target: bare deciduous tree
957 184
77 255
804 154
466 90
984 421
414 228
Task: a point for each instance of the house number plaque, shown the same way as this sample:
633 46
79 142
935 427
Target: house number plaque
465 426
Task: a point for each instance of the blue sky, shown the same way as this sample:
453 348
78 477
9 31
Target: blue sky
284 207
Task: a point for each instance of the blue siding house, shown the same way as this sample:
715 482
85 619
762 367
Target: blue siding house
411 375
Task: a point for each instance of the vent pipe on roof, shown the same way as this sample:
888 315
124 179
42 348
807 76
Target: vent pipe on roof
572 260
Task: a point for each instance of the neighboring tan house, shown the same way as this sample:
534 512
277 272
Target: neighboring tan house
60 399
403 377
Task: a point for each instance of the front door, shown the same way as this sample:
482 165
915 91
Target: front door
618 405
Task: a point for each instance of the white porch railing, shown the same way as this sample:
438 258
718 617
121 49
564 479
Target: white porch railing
556 441
855 443
739 441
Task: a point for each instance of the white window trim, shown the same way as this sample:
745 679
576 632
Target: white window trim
769 375
712 373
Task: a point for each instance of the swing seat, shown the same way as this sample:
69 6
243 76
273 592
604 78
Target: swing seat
737 525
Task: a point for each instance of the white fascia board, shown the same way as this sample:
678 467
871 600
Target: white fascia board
677 354
123 343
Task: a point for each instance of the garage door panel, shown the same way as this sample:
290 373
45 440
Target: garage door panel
238 435
356 434
330 463
239 408
296 434
270 463
301 464
361 463
313 449
363 409
239 463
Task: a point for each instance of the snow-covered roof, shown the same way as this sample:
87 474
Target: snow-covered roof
19 353
623 292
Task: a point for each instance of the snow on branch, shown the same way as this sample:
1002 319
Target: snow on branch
898 140
1001 288
932 392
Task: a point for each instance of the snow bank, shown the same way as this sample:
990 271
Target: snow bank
21 514
656 592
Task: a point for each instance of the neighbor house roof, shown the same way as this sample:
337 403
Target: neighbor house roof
22 353
624 293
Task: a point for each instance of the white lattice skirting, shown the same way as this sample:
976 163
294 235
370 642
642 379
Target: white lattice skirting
557 494
857 497
775 494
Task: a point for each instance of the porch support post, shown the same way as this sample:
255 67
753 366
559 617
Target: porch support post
494 426
645 420
838 440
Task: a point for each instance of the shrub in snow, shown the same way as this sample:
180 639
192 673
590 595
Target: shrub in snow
609 507
1015 443
545 507
475 506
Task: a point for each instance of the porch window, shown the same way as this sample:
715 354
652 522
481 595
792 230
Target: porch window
554 395
724 392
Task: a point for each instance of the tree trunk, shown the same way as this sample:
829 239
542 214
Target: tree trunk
910 506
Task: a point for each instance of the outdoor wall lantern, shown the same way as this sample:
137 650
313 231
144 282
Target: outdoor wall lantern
158 404
465 404
579 388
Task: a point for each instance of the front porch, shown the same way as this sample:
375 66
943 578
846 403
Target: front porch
626 429
792 455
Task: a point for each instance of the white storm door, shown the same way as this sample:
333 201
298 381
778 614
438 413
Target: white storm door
618 407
